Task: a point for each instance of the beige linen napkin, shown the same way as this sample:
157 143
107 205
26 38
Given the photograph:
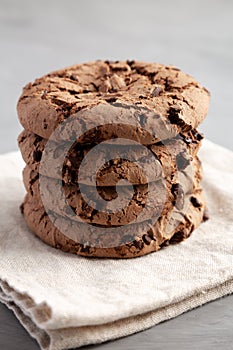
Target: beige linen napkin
66 301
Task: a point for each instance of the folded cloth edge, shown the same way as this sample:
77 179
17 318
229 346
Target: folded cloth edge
69 338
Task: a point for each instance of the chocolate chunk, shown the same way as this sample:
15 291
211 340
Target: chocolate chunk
178 237
188 140
37 155
111 99
195 202
146 239
130 62
138 244
85 249
176 69
22 208
173 116
165 243
206 215
197 135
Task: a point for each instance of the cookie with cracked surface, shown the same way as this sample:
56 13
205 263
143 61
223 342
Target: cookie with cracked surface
111 206
135 241
144 164
149 96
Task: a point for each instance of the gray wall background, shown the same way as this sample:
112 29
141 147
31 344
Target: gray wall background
39 36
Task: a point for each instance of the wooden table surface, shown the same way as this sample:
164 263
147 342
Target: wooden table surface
39 36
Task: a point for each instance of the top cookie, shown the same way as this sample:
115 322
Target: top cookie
180 101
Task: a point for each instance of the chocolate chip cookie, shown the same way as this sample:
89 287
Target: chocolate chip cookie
115 206
159 160
147 102
134 240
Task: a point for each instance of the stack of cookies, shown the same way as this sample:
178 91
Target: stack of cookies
111 157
